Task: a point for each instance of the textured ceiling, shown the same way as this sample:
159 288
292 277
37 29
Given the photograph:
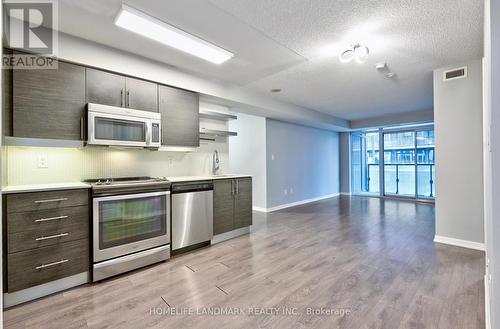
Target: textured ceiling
293 45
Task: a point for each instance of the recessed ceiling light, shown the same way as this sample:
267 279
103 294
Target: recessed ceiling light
153 28
381 65
390 75
276 90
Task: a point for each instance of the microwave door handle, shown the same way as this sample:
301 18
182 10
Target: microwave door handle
148 133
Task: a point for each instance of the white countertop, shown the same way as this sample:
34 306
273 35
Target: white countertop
78 185
175 179
43 187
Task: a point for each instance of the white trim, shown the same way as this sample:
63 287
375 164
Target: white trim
297 203
229 235
459 242
345 193
487 309
45 289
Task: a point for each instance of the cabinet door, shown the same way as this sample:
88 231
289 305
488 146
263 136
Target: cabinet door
223 206
141 95
7 98
180 117
243 203
49 103
105 88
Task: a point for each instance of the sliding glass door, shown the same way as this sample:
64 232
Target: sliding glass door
365 163
406 168
426 173
399 163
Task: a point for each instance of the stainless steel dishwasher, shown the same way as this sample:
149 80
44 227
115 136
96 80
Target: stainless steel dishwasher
192 213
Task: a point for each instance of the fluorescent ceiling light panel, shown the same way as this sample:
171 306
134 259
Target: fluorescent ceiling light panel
136 21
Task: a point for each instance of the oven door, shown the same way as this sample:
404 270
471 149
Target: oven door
120 130
124 224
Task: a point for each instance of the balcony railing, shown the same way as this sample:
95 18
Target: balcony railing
399 179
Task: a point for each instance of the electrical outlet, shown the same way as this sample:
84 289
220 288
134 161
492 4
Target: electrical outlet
42 161
170 161
291 190
285 192
272 157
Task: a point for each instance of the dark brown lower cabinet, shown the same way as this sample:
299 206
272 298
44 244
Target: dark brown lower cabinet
47 235
232 204
41 265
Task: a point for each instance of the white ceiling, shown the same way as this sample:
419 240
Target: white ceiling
293 45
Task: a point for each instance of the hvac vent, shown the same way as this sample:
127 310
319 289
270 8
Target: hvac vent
454 74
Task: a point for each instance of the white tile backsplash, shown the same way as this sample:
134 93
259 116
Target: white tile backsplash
67 165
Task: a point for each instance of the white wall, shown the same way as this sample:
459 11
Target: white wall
247 153
459 154
301 160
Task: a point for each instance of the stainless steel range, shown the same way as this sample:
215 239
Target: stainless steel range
131 224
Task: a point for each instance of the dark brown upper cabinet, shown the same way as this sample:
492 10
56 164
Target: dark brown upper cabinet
49 103
117 90
7 98
180 117
141 95
105 88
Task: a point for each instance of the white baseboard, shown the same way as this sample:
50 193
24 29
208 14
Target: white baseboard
459 242
487 309
345 193
294 204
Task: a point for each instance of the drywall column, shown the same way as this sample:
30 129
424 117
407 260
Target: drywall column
247 154
345 162
459 157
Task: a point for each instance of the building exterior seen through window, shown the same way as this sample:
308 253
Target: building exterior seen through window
408 166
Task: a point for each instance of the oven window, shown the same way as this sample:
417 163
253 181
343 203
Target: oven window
130 220
120 130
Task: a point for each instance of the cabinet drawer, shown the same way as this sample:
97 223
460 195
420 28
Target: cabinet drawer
39 229
33 267
46 200
47 219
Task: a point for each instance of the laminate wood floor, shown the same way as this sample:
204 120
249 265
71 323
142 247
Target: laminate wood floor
346 262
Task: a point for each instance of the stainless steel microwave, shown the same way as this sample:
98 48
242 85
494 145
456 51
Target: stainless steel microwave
110 125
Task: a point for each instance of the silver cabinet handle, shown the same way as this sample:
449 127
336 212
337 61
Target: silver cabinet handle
121 97
232 186
237 187
128 98
51 236
51 264
51 200
50 218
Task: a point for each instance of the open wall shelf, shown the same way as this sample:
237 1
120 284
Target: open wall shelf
217 116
